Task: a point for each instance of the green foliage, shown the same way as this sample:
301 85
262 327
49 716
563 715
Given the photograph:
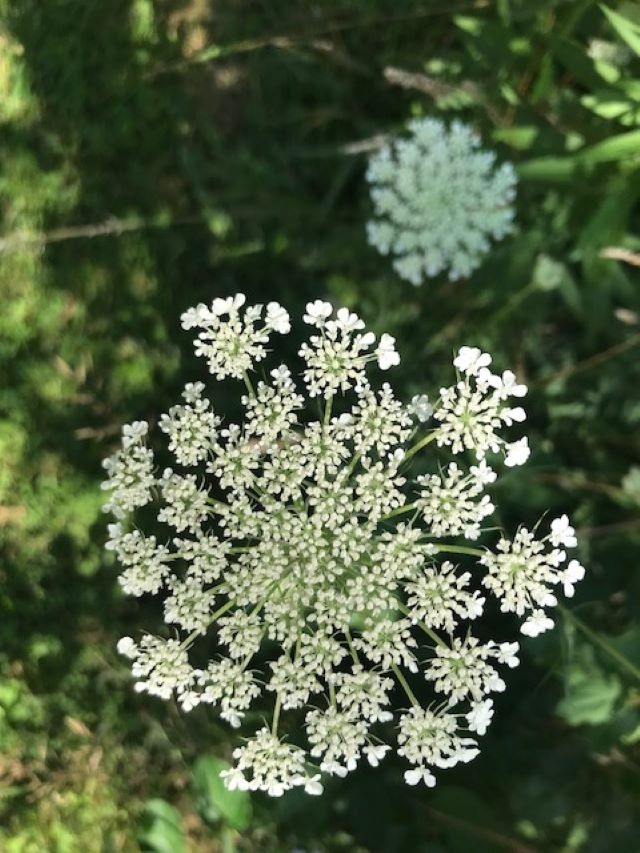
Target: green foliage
156 154
215 802
591 693
627 29
162 828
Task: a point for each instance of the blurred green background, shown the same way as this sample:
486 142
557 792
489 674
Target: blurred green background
156 153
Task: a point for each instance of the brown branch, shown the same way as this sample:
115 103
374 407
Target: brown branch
313 39
428 85
364 146
497 838
598 358
573 482
112 227
621 527
617 253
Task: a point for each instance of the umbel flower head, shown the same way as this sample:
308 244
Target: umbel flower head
299 545
438 199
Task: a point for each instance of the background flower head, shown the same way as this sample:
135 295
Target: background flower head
438 200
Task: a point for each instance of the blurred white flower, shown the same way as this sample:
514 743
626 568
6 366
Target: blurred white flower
438 200
421 407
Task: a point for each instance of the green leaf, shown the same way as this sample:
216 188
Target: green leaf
163 832
215 802
467 24
521 137
548 169
608 221
615 148
628 31
591 694
586 71
613 104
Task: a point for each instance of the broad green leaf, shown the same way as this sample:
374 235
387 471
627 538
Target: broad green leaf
631 88
521 137
551 169
628 644
142 20
608 220
613 104
628 31
543 86
473 26
591 693
215 802
549 274
615 148
632 736
585 70
163 832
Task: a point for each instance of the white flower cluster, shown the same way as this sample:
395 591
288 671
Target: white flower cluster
302 531
438 199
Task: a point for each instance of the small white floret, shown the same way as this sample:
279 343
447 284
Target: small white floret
419 774
517 452
480 716
536 624
127 647
421 407
278 318
562 533
317 313
471 359
571 575
386 353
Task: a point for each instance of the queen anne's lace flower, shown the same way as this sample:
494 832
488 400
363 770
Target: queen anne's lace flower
453 503
438 199
429 739
472 411
191 428
523 572
322 568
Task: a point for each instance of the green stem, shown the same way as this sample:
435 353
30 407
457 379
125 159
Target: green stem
213 503
228 843
248 384
428 631
598 640
327 410
352 648
512 303
192 636
460 549
398 674
276 715
422 443
353 463
400 511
